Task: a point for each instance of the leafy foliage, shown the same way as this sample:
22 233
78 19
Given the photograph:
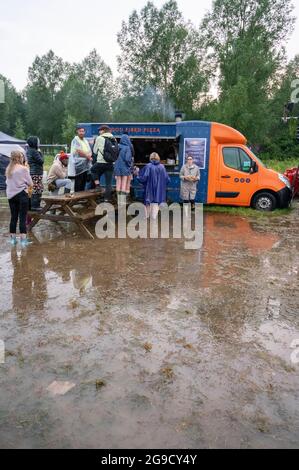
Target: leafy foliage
160 50
246 39
232 69
89 90
12 110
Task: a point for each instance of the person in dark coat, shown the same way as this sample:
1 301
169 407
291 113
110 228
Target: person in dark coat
123 169
35 161
154 177
132 168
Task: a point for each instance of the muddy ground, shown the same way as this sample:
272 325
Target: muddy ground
166 347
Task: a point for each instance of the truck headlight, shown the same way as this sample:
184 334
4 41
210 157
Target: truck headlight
285 180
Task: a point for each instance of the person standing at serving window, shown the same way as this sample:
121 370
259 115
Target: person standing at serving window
189 175
154 178
123 169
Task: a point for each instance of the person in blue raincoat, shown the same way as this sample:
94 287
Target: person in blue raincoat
154 177
123 169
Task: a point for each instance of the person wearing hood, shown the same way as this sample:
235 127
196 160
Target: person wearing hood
35 161
154 177
102 165
123 169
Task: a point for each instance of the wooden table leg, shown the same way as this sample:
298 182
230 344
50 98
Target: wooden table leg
85 230
77 221
93 203
36 215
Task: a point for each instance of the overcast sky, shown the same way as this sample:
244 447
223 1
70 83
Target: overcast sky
72 28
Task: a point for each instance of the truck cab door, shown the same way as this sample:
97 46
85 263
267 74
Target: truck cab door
237 182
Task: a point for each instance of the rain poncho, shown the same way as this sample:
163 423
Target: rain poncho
123 164
154 177
77 164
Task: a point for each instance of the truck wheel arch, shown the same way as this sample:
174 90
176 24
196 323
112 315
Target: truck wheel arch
264 190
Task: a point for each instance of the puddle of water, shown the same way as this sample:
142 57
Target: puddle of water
166 347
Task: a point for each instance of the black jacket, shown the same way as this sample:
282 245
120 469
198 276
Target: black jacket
35 161
34 157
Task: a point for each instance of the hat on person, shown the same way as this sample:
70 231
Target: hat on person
63 156
104 128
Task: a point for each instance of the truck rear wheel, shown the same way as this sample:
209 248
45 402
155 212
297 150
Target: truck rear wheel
264 202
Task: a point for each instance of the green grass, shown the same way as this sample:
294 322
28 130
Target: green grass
48 162
281 165
246 211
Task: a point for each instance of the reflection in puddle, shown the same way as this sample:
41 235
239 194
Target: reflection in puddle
166 347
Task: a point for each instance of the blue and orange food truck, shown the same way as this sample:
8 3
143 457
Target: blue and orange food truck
230 172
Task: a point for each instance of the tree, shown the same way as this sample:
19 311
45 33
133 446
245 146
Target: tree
12 109
19 131
246 42
68 128
281 142
159 49
89 89
48 72
45 104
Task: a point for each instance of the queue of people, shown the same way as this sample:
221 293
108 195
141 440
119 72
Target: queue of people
109 159
83 170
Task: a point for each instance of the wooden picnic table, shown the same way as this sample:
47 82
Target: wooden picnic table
78 208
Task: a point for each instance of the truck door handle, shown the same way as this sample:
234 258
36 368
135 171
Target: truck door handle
226 177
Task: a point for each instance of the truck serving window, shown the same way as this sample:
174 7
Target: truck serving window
237 159
166 148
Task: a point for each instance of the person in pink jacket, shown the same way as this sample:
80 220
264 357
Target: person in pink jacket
18 182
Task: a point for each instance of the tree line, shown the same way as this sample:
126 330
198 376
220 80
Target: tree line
231 69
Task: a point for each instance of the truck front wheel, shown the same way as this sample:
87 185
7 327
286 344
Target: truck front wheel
264 202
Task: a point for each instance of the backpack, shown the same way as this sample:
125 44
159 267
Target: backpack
110 150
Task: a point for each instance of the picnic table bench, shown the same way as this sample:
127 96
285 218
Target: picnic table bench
78 208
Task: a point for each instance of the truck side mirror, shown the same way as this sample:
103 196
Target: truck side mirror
254 167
